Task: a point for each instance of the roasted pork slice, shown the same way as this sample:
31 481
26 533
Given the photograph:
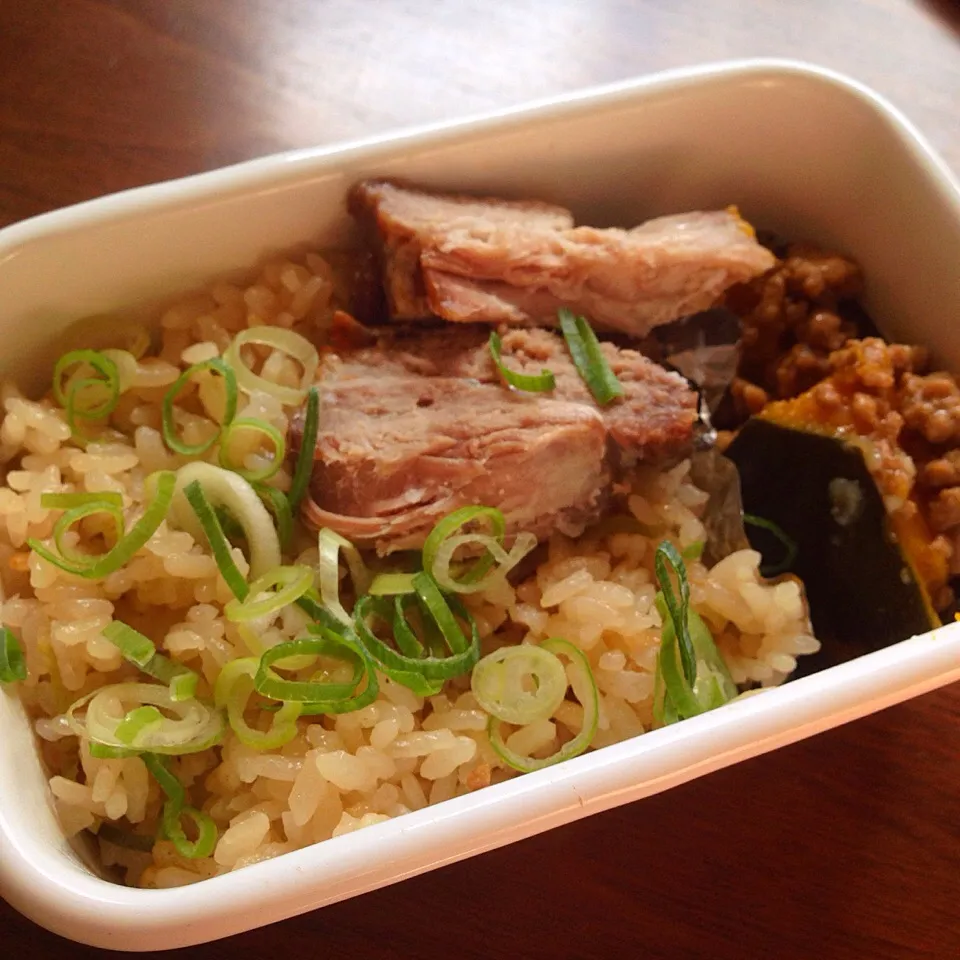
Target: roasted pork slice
494 261
420 424
403 220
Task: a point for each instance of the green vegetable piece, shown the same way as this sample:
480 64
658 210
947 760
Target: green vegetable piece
175 808
13 665
532 383
308 447
588 358
170 437
584 687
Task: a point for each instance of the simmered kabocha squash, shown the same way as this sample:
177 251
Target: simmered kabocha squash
866 571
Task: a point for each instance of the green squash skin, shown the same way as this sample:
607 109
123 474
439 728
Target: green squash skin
862 591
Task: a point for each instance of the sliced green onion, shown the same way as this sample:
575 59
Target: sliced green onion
438 608
74 394
69 517
308 449
674 698
409 644
233 690
77 506
102 752
430 665
136 723
504 562
273 435
230 527
283 586
668 555
140 651
326 696
321 641
451 524
585 689
407 641
170 437
226 489
693 551
92 358
276 338
175 808
115 558
132 644
588 358
277 503
13 666
219 545
331 544
389 584
193 727
102 365
789 545
67 501
79 403
181 680
532 383
520 684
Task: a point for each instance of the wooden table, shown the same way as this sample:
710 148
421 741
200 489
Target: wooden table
845 846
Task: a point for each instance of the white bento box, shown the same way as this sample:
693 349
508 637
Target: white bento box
798 149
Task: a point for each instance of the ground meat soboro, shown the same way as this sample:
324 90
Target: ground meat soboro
419 424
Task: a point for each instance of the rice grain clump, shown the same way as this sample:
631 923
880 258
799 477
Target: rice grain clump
339 772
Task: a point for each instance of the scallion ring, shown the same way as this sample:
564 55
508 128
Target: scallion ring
463 652
520 684
69 517
278 504
232 692
170 437
269 594
13 665
276 338
308 446
137 722
667 555
503 561
140 651
532 383
693 551
451 524
176 808
390 584
162 485
219 545
584 688
330 545
67 501
588 358
320 641
193 727
253 425
676 699
74 386
224 488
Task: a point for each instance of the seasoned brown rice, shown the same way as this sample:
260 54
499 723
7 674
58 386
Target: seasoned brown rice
340 773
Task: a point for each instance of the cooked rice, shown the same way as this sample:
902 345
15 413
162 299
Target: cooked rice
344 772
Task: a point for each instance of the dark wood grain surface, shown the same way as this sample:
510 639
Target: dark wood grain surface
845 846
